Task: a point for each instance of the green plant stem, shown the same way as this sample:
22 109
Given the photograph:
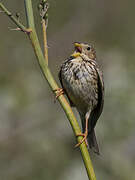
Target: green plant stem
47 74
29 14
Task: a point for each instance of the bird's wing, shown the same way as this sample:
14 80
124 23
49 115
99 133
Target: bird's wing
98 109
60 78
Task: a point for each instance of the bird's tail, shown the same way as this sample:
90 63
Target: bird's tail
92 141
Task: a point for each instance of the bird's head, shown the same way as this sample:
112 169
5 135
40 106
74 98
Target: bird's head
86 49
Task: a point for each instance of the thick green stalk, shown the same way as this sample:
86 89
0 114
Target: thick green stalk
29 14
47 74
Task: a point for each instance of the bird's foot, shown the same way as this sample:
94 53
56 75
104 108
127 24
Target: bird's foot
84 138
59 92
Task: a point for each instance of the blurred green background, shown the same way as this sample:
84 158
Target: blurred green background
36 140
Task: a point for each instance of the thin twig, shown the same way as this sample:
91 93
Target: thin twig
15 20
45 40
43 9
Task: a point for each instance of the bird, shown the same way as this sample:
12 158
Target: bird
82 81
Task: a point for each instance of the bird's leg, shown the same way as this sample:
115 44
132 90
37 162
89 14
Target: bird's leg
85 134
59 92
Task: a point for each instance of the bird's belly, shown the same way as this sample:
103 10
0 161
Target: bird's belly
81 87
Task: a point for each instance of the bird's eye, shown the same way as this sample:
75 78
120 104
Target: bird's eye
88 48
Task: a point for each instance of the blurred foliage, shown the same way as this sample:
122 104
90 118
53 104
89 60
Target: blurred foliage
36 141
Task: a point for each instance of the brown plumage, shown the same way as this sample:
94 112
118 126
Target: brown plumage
82 81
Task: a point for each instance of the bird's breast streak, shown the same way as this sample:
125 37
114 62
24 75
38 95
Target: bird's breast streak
78 83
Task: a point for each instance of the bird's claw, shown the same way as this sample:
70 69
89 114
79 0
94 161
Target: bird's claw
84 139
58 92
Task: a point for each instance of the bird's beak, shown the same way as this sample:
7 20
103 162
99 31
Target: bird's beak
75 55
78 47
